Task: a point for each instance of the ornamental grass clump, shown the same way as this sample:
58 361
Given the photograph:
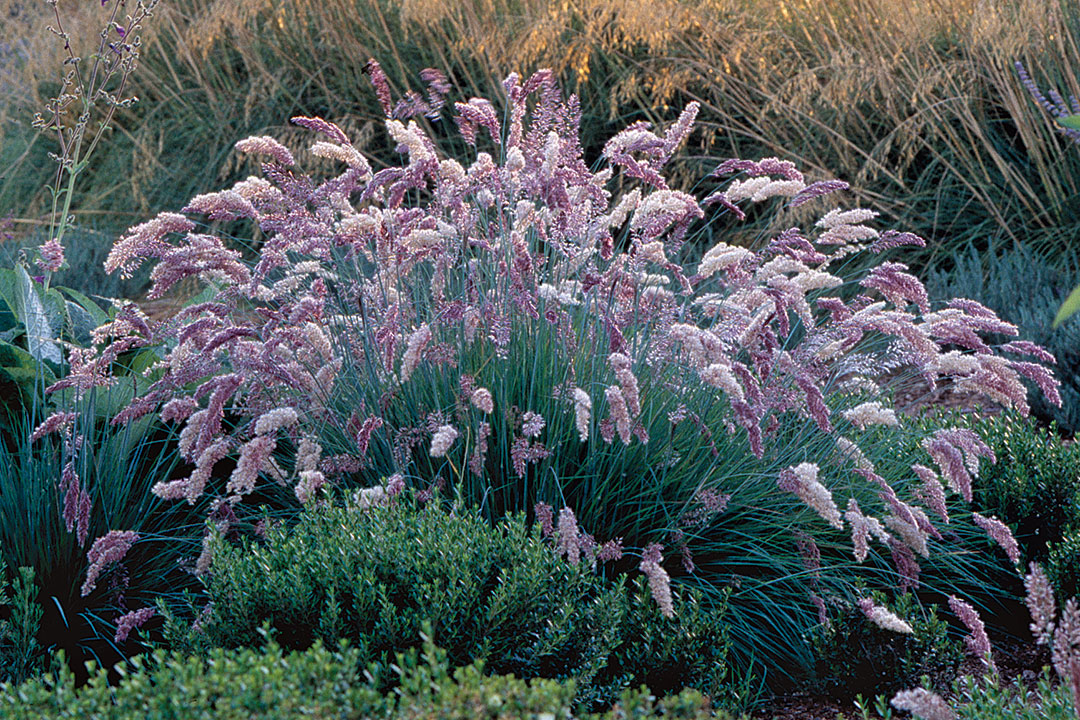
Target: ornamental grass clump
79 514
515 328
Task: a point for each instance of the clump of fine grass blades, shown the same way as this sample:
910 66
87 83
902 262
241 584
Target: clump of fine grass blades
76 477
507 330
917 104
59 497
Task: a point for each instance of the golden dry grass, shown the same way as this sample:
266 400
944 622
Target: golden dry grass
914 102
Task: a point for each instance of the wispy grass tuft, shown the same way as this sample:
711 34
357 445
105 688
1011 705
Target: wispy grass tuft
116 466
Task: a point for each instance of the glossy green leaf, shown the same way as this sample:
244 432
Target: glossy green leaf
1071 121
100 316
9 291
1068 308
21 375
14 357
56 312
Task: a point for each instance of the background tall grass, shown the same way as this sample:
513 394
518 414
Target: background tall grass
916 104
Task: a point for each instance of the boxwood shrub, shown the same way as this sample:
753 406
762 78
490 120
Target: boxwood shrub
318 683
498 593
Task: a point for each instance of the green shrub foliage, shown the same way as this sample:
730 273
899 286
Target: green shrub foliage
989 699
500 594
992 701
855 656
1063 563
318 683
1034 488
20 653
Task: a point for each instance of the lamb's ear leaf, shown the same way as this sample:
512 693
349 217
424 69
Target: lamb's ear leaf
1068 308
1070 121
40 339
